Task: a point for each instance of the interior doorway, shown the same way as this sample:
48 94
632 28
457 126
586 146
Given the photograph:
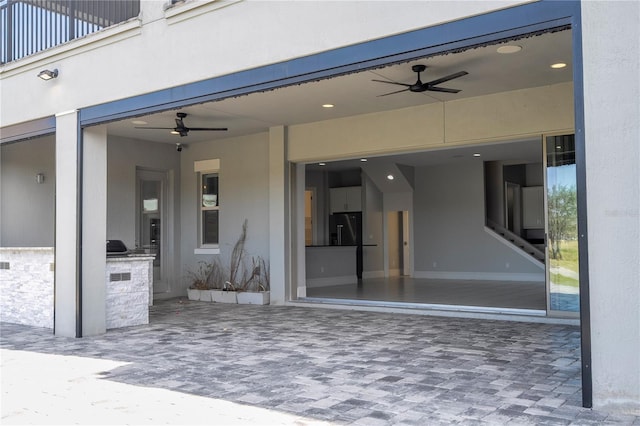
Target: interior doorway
398 253
151 222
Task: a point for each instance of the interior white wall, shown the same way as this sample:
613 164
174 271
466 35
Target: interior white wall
213 35
244 194
27 207
611 56
449 236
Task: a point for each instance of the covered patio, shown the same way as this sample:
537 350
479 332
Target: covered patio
297 365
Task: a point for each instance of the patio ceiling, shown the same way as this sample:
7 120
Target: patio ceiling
489 72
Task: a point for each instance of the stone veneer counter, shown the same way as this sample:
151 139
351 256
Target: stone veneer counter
26 285
129 290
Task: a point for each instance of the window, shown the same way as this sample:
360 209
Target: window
208 206
209 209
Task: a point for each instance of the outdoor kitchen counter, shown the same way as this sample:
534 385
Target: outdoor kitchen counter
129 289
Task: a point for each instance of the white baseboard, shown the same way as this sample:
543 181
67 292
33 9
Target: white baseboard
329 281
480 276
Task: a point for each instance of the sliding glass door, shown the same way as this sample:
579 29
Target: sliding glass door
563 291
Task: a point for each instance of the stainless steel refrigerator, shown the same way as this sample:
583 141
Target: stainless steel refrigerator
346 230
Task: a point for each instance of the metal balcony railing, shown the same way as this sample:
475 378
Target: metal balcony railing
30 26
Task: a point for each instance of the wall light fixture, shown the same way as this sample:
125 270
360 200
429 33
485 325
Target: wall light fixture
48 74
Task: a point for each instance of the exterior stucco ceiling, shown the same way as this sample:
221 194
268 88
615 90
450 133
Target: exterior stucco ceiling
489 72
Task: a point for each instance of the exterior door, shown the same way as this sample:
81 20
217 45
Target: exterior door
151 222
563 291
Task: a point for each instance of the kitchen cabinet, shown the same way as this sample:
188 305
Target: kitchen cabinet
345 199
533 207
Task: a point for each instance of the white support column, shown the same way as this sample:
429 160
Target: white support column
66 238
278 224
94 230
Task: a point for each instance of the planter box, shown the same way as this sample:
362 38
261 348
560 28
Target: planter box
205 295
254 297
220 296
193 294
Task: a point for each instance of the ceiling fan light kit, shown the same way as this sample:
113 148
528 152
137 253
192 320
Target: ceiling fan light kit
419 86
182 130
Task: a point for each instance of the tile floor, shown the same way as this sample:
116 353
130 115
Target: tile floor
517 295
318 365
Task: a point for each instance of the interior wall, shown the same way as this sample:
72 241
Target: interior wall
449 236
27 208
318 181
244 194
372 227
502 116
394 233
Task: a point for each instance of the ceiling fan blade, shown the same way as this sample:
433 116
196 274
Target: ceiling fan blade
447 78
179 123
398 91
392 82
442 89
222 129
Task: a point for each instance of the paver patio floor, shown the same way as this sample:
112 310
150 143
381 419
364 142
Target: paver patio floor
207 363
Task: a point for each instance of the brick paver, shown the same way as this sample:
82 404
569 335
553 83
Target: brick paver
205 363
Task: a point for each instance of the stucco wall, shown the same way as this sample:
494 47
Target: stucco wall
27 207
244 194
612 133
213 35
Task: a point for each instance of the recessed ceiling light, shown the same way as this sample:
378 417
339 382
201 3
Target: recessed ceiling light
390 177
322 164
364 160
476 154
328 105
559 147
174 132
558 65
139 122
512 48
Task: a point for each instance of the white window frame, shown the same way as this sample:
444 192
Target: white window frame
202 168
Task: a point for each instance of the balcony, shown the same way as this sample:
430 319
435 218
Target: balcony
31 26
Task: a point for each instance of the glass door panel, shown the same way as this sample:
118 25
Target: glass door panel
562 226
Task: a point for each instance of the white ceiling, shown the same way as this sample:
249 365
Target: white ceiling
489 72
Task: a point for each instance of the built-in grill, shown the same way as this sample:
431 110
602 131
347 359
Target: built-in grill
116 248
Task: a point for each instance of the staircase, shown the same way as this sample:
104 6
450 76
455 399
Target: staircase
516 241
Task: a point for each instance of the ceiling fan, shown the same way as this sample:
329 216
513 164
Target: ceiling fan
419 86
183 130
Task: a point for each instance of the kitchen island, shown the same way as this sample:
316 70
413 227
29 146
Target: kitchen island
331 265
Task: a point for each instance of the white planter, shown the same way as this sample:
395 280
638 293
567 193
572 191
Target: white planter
205 295
220 296
254 297
193 294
